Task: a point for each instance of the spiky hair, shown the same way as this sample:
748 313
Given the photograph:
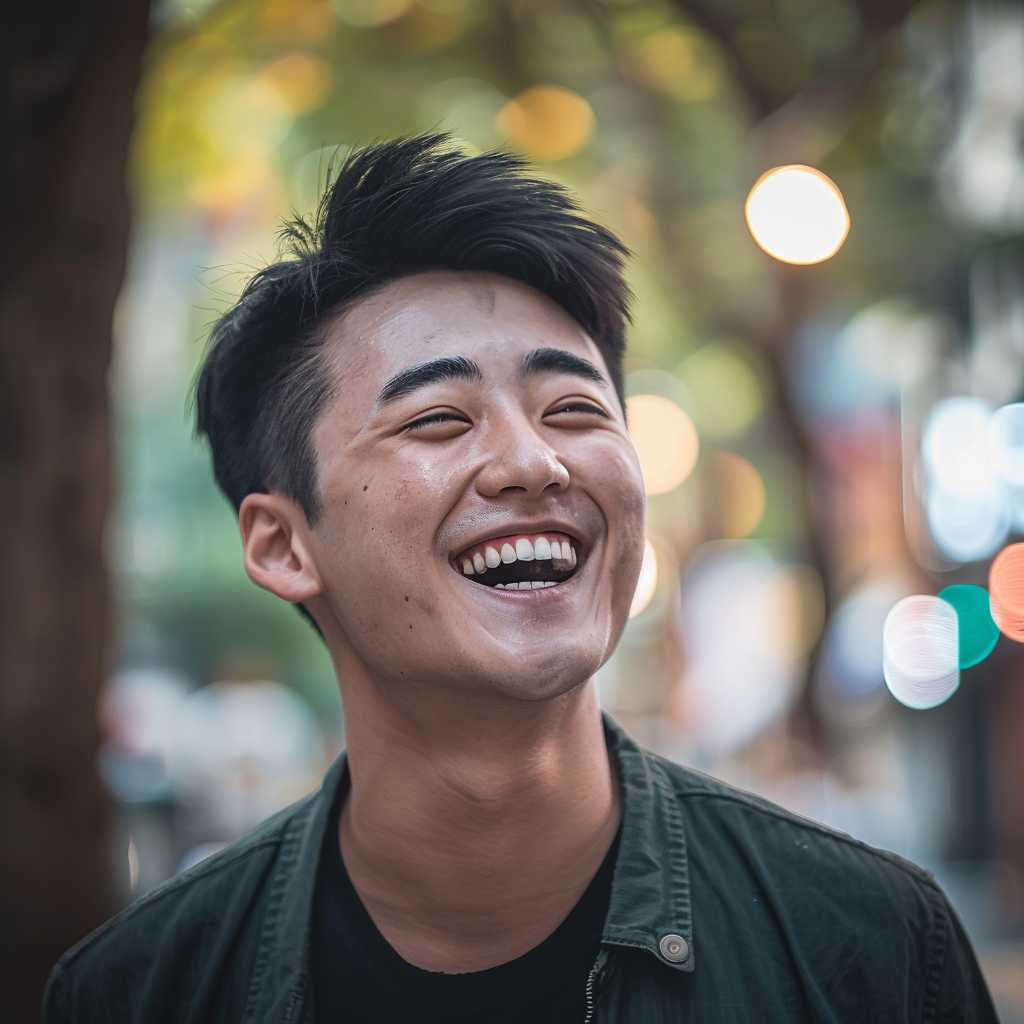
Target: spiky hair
395 209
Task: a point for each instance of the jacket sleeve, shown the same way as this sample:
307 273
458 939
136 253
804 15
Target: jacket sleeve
959 994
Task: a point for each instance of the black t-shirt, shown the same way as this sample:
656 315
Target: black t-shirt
357 976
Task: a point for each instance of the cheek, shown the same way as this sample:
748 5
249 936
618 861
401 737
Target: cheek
618 486
380 528
624 503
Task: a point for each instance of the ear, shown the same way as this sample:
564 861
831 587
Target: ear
277 557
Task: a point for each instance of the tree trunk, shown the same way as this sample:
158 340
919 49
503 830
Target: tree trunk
70 71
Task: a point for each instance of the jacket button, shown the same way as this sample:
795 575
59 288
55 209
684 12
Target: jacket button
674 948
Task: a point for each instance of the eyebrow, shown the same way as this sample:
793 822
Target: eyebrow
556 360
412 378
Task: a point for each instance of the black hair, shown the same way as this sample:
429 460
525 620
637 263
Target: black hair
395 209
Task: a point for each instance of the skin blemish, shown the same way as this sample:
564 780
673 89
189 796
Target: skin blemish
365 486
407 597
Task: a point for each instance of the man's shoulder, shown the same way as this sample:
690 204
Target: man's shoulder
176 930
722 818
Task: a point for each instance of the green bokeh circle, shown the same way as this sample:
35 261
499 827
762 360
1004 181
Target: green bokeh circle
978 633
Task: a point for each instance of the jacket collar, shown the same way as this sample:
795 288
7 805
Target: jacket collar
650 897
651 887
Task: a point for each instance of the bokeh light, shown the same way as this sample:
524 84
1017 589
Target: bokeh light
678 61
854 646
798 600
302 80
1007 437
242 751
967 508
297 21
246 118
893 343
955 446
970 527
743 633
1007 441
1006 591
467 107
741 495
369 13
666 441
978 633
660 382
137 711
921 651
850 685
727 395
647 582
797 214
547 121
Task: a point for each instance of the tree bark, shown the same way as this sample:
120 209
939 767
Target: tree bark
69 75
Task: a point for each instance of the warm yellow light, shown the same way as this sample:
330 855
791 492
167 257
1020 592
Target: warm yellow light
297 21
303 81
742 495
647 582
797 603
549 122
679 61
665 439
797 214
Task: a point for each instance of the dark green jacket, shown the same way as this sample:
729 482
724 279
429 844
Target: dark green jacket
724 908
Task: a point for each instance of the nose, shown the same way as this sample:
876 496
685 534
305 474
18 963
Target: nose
519 460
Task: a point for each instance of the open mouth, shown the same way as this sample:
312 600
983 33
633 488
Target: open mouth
523 561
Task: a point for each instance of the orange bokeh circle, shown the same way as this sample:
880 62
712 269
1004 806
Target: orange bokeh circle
1006 591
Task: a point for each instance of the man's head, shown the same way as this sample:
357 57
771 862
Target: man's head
435 371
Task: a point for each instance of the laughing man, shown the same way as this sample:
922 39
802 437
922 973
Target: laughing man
418 416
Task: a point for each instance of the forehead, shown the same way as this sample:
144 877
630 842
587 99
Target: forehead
490 319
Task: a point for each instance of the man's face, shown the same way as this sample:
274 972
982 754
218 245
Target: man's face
483 508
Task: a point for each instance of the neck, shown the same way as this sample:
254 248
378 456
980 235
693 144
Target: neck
472 827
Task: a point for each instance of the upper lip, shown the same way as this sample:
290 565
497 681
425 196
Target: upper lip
524 527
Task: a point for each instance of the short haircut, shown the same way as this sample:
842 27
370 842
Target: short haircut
395 209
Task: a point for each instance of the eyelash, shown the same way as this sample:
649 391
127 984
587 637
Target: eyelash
437 417
579 406
443 417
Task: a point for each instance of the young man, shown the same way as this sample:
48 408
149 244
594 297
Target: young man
419 419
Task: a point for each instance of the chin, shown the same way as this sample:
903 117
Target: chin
535 680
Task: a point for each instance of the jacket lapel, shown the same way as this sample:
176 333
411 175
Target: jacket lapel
650 902
280 983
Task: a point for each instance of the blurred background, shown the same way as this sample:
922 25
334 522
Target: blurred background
827 423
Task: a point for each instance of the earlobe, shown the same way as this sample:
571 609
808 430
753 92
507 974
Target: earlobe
275 553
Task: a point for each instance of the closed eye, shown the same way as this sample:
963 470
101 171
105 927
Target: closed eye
578 407
434 419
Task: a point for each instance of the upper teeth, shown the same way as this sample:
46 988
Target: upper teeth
525 550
